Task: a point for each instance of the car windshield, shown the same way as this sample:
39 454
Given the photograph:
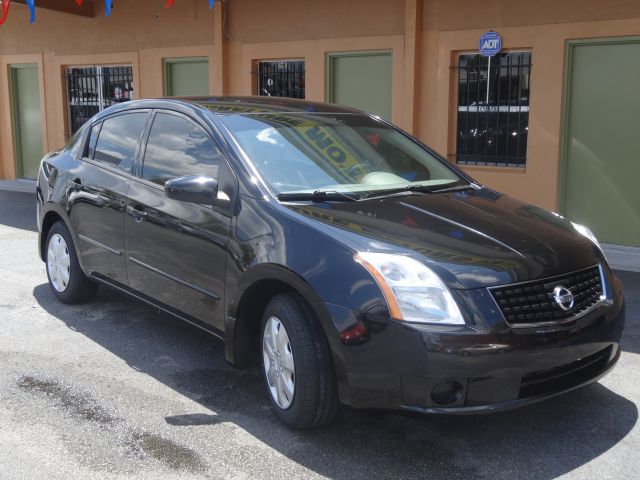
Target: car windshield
305 153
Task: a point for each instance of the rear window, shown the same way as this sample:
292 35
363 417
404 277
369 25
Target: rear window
118 139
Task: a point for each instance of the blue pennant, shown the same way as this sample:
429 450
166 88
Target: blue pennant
211 2
32 10
107 7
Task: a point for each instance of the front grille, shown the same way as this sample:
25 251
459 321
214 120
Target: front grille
533 302
566 376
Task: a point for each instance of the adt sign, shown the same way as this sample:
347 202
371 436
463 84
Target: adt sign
490 44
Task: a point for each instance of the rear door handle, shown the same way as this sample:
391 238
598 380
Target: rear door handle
137 213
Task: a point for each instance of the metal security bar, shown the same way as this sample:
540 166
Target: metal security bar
493 109
92 89
283 78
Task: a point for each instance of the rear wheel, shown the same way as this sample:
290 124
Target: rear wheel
297 365
66 279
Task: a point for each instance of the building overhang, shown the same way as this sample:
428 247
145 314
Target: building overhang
87 9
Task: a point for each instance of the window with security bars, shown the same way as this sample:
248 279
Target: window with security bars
282 78
493 109
92 89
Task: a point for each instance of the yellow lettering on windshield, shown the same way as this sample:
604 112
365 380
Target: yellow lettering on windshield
316 141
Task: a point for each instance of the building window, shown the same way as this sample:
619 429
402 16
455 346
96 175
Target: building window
92 89
493 109
281 78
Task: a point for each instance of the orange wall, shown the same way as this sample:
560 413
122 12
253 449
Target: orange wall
142 33
139 32
445 15
538 182
264 21
133 25
313 52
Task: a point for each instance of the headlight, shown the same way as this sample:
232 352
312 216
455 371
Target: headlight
413 291
581 229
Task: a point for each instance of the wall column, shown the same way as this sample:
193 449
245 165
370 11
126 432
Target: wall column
219 60
412 31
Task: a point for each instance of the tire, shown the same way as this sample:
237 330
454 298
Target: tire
315 399
68 282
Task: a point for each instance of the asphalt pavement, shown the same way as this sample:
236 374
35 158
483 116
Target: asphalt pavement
115 389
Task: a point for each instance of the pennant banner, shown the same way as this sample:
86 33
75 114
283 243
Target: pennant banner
31 4
5 10
32 10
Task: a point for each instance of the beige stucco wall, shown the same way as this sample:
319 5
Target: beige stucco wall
314 53
538 182
265 21
133 25
139 32
446 15
142 33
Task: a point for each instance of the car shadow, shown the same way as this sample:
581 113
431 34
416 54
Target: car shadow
18 210
542 441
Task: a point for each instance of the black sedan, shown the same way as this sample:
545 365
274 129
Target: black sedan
348 259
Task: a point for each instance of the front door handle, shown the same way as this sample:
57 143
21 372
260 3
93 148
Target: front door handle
137 213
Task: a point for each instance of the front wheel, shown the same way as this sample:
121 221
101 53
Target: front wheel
66 279
297 366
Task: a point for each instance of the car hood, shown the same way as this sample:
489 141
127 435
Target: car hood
472 239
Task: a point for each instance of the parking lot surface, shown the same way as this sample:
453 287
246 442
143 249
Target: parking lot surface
115 389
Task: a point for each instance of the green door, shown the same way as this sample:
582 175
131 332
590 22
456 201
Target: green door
601 164
186 76
361 80
27 118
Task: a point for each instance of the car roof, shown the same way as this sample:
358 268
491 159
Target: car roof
223 105
239 104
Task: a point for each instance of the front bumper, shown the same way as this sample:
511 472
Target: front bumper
393 365
577 378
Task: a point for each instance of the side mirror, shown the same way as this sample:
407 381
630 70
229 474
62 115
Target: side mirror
201 189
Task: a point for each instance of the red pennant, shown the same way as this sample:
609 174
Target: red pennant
79 3
5 10
168 3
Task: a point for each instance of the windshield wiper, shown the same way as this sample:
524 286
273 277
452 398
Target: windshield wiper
422 189
318 196
455 188
334 195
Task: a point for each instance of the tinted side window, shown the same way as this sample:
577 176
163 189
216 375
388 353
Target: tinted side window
178 147
118 140
93 139
74 145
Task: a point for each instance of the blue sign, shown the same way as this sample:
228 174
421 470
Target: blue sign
490 44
